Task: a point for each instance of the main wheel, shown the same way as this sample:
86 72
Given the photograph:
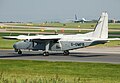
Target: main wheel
66 52
45 53
19 52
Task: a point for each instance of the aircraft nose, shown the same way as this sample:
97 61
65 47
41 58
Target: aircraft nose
15 46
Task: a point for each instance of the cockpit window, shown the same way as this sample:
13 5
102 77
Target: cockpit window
28 40
25 40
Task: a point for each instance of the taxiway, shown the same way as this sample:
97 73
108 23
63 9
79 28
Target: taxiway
92 54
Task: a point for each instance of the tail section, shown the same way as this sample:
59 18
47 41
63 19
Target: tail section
75 17
101 29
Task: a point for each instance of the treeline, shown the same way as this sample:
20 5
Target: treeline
93 21
11 22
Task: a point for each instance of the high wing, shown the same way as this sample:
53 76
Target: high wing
14 37
42 37
10 37
109 39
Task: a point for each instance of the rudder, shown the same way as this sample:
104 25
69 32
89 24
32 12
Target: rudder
101 29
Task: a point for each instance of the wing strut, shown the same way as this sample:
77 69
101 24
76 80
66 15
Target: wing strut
47 44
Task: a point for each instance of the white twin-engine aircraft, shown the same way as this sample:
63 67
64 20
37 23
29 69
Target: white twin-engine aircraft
65 43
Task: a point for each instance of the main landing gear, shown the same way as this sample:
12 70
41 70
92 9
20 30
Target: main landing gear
45 53
66 52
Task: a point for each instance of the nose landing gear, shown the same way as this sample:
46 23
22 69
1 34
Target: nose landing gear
19 52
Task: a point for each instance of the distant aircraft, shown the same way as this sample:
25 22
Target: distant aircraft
84 20
62 42
76 20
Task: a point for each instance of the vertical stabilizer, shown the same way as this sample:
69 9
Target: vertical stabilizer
75 17
101 29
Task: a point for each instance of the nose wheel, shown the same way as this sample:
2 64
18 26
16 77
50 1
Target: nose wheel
19 52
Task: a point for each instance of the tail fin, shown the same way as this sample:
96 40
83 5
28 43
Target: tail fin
101 29
75 17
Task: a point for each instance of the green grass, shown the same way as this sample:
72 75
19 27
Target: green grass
57 72
65 25
7 44
114 26
109 44
71 25
114 32
11 34
65 31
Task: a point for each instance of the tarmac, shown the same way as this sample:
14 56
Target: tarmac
91 54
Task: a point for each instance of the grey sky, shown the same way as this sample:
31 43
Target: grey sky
31 10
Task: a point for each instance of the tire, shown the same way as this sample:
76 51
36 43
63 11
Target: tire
45 53
66 52
19 52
